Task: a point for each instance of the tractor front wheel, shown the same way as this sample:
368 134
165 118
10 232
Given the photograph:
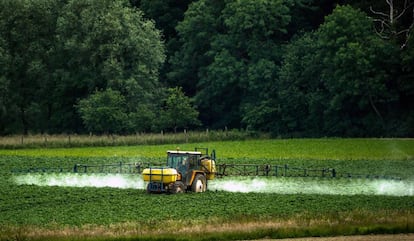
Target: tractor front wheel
178 187
199 183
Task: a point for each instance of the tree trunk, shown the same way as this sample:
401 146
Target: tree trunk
376 110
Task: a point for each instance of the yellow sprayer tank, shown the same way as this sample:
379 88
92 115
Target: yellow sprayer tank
160 174
210 166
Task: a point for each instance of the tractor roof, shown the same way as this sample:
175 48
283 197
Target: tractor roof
185 152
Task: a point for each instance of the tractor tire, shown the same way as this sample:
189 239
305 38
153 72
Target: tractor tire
199 183
178 187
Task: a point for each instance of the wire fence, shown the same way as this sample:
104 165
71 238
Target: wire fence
290 171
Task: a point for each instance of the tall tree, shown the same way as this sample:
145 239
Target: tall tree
107 44
293 104
201 23
178 111
104 112
229 49
166 15
54 53
337 81
358 73
28 38
396 21
406 89
4 88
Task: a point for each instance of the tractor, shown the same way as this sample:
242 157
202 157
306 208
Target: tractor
185 171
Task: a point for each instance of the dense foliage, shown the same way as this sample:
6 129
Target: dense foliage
335 81
64 64
288 67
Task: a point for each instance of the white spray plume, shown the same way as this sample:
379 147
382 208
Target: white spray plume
314 186
82 180
236 184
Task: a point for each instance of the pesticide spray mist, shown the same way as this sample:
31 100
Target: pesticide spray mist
82 180
315 186
236 184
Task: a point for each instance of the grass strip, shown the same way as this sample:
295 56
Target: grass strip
74 140
256 233
315 149
346 223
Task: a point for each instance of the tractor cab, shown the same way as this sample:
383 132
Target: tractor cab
188 162
185 170
183 161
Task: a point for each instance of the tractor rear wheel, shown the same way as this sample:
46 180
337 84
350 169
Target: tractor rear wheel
178 187
199 183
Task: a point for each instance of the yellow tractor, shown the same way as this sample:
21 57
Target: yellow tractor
185 171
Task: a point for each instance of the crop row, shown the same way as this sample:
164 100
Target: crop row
306 149
46 206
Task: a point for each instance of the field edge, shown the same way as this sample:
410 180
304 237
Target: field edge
299 227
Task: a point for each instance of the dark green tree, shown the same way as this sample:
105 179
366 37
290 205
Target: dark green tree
178 111
230 49
405 117
107 44
336 81
53 53
27 44
166 15
195 33
104 112
357 72
293 104
4 87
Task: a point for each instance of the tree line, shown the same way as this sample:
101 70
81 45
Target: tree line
78 66
287 67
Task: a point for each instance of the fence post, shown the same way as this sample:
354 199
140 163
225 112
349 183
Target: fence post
333 172
267 169
286 167
45 139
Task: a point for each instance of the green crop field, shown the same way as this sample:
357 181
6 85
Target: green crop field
33 211
321 149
